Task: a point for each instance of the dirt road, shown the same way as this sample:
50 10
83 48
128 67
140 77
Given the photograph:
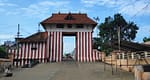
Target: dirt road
69 71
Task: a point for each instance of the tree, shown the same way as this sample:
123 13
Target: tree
109 31
3 53
146 39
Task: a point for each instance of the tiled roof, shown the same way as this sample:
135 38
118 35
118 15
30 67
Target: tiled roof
69 18
37 37
131 46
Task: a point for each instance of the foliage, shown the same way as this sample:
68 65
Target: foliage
145 39
3 53
109 31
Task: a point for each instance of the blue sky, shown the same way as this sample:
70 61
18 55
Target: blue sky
28 13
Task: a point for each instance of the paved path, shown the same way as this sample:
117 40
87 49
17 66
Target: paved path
69 71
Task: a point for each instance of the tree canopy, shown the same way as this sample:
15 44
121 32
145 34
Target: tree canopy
3 53
145 39
108 31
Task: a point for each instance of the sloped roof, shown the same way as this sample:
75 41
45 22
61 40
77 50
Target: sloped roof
37 37
69 18
131 46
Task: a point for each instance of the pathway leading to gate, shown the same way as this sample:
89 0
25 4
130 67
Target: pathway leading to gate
69 71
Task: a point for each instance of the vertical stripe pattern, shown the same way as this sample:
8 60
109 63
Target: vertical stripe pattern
55 50
84 47
52 49
29 52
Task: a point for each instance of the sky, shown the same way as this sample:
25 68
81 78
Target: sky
29 13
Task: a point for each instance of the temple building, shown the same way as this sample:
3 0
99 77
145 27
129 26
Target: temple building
48 46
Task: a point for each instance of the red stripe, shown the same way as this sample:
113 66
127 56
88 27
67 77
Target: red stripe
24 50
14 52
90 36
52 46
38 50
95 55
20 52
89 46
35 51
85 46
32 52
29 49
76 54
82 47
49 37
45 52
41 51
56 41
59 47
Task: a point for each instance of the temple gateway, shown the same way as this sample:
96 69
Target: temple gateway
48 46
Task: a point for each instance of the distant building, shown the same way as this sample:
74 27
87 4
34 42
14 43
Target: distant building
9 43
48 46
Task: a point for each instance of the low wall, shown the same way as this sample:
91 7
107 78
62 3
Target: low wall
4 63
126 64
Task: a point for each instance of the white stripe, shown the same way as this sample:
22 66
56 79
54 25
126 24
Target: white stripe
14 53
90 46
25 61
23 49
60 46
15 63
18 63
33 51
40 51
87 50
9 51
19 56
51 39
78 46
84 46
36 51
43 50
54 46
57 48
81 45
22 62
48 45
30 50
27 52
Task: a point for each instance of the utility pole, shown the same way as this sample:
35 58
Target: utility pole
18 36
119 31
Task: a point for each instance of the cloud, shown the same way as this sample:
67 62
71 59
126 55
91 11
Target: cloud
108 3
5 3
129 7
6 36
143 31
39 9
138 8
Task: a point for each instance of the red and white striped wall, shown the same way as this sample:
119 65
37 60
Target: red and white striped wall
84 47
28 52
52 50
55 46
84 51
97 55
